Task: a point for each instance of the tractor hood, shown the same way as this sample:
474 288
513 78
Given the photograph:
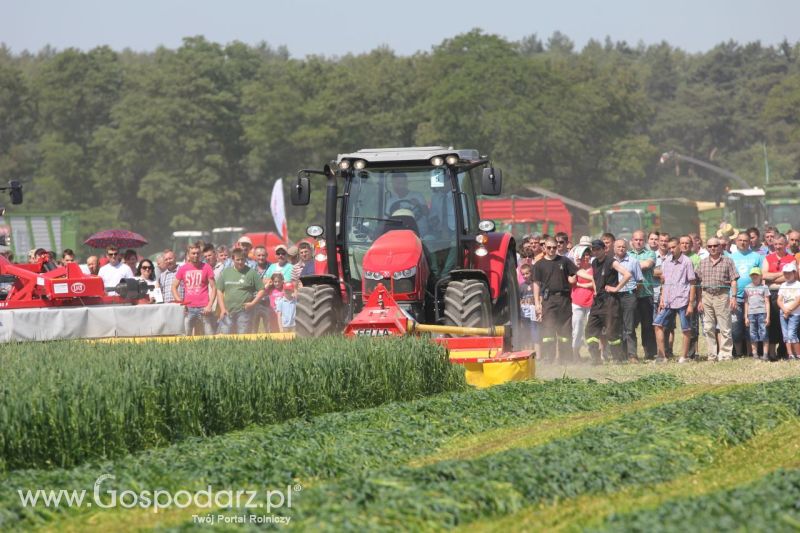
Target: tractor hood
393 251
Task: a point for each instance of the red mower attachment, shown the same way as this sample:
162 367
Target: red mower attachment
485 353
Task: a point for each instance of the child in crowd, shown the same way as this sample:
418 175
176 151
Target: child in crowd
274 290
789 304
286 307
530 322
756 312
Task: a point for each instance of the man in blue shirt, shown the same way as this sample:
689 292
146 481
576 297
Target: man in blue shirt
627 298
745 259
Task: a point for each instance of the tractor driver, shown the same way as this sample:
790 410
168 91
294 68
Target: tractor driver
401 197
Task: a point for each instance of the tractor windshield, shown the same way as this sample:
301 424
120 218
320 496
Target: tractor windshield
623 223
419 199
784 216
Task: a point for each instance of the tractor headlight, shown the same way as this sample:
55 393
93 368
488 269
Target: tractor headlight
376 276
451 159
437 161
402 274
344 164
359 164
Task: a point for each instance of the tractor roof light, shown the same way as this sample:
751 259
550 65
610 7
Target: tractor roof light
451 159
359 164
437 161
344 164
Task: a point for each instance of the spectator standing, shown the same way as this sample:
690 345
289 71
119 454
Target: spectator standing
114 271
199 293
246 244
604 317
755 242
608 239
745 259
146 271
661 255
552 277
562 243
769 238
794 244
167 277
305 265
283 265
644 293
527 307
627 298
263 311
789 304
756 312
677 298
774 277
131 259
697 246
238 291
286 308
652 241
67 256
716 293
687 249
92 266
222 261
582 298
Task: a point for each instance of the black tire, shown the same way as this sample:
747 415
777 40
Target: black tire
318 311
467 304
508 310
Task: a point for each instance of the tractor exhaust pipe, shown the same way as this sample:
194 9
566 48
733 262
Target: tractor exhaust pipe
331 195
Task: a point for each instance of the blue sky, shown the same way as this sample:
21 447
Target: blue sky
338 27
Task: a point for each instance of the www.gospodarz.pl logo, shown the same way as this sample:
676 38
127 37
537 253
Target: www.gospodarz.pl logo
158 499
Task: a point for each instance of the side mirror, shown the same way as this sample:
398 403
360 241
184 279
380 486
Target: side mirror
491 181
16 192
301 191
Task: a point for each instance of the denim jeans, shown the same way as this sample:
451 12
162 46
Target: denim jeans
789 327
758 327
197 323
235 322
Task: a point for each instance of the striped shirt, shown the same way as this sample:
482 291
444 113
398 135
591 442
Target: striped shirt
678 276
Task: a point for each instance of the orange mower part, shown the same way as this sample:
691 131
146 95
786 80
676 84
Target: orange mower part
481 351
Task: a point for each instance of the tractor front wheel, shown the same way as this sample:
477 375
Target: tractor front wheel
467 304
318 311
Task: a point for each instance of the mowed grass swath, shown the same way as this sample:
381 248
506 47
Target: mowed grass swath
66 402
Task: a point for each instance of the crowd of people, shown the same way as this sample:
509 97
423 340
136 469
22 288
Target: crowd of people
223 290
744 295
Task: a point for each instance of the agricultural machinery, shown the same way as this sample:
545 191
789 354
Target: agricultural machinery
403 251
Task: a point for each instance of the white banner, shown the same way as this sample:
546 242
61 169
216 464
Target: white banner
278 209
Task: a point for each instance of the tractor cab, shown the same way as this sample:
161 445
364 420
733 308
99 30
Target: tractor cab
407 219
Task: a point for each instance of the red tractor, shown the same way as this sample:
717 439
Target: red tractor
403 248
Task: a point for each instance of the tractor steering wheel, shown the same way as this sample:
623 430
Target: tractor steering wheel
409 204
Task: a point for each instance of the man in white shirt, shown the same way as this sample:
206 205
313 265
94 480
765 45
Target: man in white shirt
114 271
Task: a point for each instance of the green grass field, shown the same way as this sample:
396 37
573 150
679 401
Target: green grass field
704 446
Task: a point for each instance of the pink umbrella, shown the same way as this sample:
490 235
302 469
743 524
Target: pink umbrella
120 238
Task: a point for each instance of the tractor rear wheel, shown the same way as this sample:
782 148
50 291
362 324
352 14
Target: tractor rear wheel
318 311
467 304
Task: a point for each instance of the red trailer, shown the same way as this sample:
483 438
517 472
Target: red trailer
520 216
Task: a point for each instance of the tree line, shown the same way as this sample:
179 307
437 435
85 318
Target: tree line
194 137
